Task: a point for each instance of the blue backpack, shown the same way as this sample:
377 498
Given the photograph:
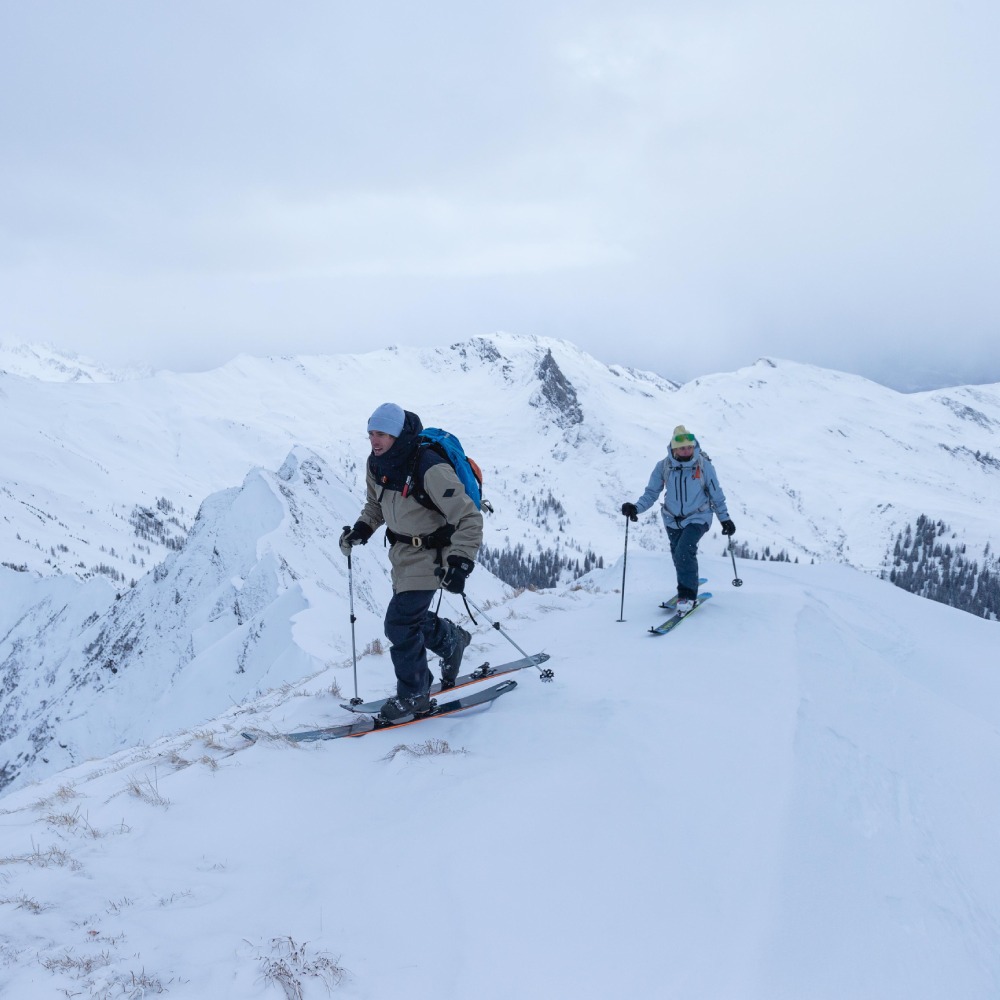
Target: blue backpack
448 447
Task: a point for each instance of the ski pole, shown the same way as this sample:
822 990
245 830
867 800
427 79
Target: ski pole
354 648
621 614
737 582
546 675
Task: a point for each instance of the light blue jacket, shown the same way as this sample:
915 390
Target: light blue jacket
692 490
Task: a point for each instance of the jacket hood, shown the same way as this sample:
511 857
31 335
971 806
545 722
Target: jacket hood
392 468
412 426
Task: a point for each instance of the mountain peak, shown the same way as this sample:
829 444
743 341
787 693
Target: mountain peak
45 363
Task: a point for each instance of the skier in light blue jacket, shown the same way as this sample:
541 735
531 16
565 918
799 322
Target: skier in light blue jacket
692 496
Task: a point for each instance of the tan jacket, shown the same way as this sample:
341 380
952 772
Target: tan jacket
413 567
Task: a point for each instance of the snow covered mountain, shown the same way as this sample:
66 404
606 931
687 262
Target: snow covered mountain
791 796
115 630
817 464
46 364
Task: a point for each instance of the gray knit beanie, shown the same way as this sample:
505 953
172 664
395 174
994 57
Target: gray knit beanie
388 418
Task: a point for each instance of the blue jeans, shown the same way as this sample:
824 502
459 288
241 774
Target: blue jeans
413 629
684 549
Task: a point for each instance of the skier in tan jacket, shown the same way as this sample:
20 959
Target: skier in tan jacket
434 529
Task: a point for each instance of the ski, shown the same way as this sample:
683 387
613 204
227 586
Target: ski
373 725
674 620
481 673
670 604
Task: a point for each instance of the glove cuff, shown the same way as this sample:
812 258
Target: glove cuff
462 564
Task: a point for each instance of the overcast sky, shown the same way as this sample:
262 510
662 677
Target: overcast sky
682 187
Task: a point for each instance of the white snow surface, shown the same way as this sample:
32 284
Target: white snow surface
791 796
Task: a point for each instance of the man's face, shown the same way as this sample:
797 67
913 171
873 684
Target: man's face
380 442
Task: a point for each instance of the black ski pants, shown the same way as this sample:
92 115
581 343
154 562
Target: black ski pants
413 629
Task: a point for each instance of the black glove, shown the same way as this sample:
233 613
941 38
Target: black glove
728 528
630 511
455 575
358 535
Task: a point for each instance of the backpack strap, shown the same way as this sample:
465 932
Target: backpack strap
424 458
708 492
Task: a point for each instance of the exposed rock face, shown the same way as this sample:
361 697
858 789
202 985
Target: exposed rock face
557 394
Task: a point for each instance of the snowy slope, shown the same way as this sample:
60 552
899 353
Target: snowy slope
253 601
832 466
792 796
827 466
